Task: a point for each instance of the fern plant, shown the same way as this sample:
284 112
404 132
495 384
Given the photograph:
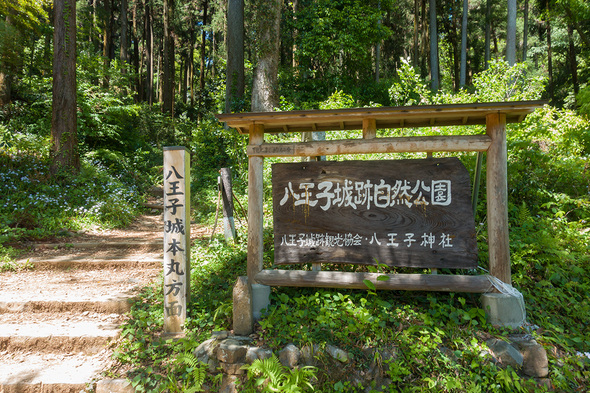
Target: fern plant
193 374
269 375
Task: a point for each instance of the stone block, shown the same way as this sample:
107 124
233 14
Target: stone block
289 356
233 368
535 363
228 384
243 318
206 350
255 353
337 353
504 310
231 351
505 353
120 385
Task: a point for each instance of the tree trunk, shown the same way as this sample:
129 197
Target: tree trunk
149 53
573 60
464 45
64 135
107 39
549 58
264 84
124 56
416 61
168 69
203 43
424 47
138 92
433 48
234 88
511 33
5 77
525 32
488 39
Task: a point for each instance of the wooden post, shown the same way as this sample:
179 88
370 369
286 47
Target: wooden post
497 198
176 237
255 208
229 226
369 128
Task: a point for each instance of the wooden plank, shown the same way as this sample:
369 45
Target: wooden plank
497 198
401 213
386 117
347 280
255 208
448 143
369 129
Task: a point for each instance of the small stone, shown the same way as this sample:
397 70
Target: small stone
309 353
121 385
535 363
233 368
230 351
220 335
505 353
289 356
228 384
206 350
255 353
337 353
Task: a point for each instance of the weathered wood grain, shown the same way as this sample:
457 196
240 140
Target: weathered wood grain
497 198
404 282
313 232
448 143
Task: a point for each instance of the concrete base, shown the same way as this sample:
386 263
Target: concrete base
260 299
504 310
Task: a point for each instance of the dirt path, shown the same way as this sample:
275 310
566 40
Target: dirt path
59 320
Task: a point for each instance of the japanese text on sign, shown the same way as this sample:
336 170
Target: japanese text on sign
365 194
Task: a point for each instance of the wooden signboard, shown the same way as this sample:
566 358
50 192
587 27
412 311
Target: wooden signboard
414 213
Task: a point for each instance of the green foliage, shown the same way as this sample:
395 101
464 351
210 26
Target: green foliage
192 374
36 206
269 375
410 89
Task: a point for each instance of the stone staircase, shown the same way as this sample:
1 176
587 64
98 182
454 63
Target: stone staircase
59 320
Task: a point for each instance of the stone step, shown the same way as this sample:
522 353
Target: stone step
19 289
67 333
90 262
49 373
131 244
113 306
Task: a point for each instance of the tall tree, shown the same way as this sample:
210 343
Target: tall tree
573 60
488 34
124 55
464 44
149 52
525 32
203 47
64 135
434 81
234 89
168 68
264 84
511 33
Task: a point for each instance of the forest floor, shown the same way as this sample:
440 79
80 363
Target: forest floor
60 316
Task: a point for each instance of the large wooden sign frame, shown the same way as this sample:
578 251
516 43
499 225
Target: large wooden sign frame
494 116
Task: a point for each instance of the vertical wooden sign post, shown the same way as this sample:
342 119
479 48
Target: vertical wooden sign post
176 237
229 226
